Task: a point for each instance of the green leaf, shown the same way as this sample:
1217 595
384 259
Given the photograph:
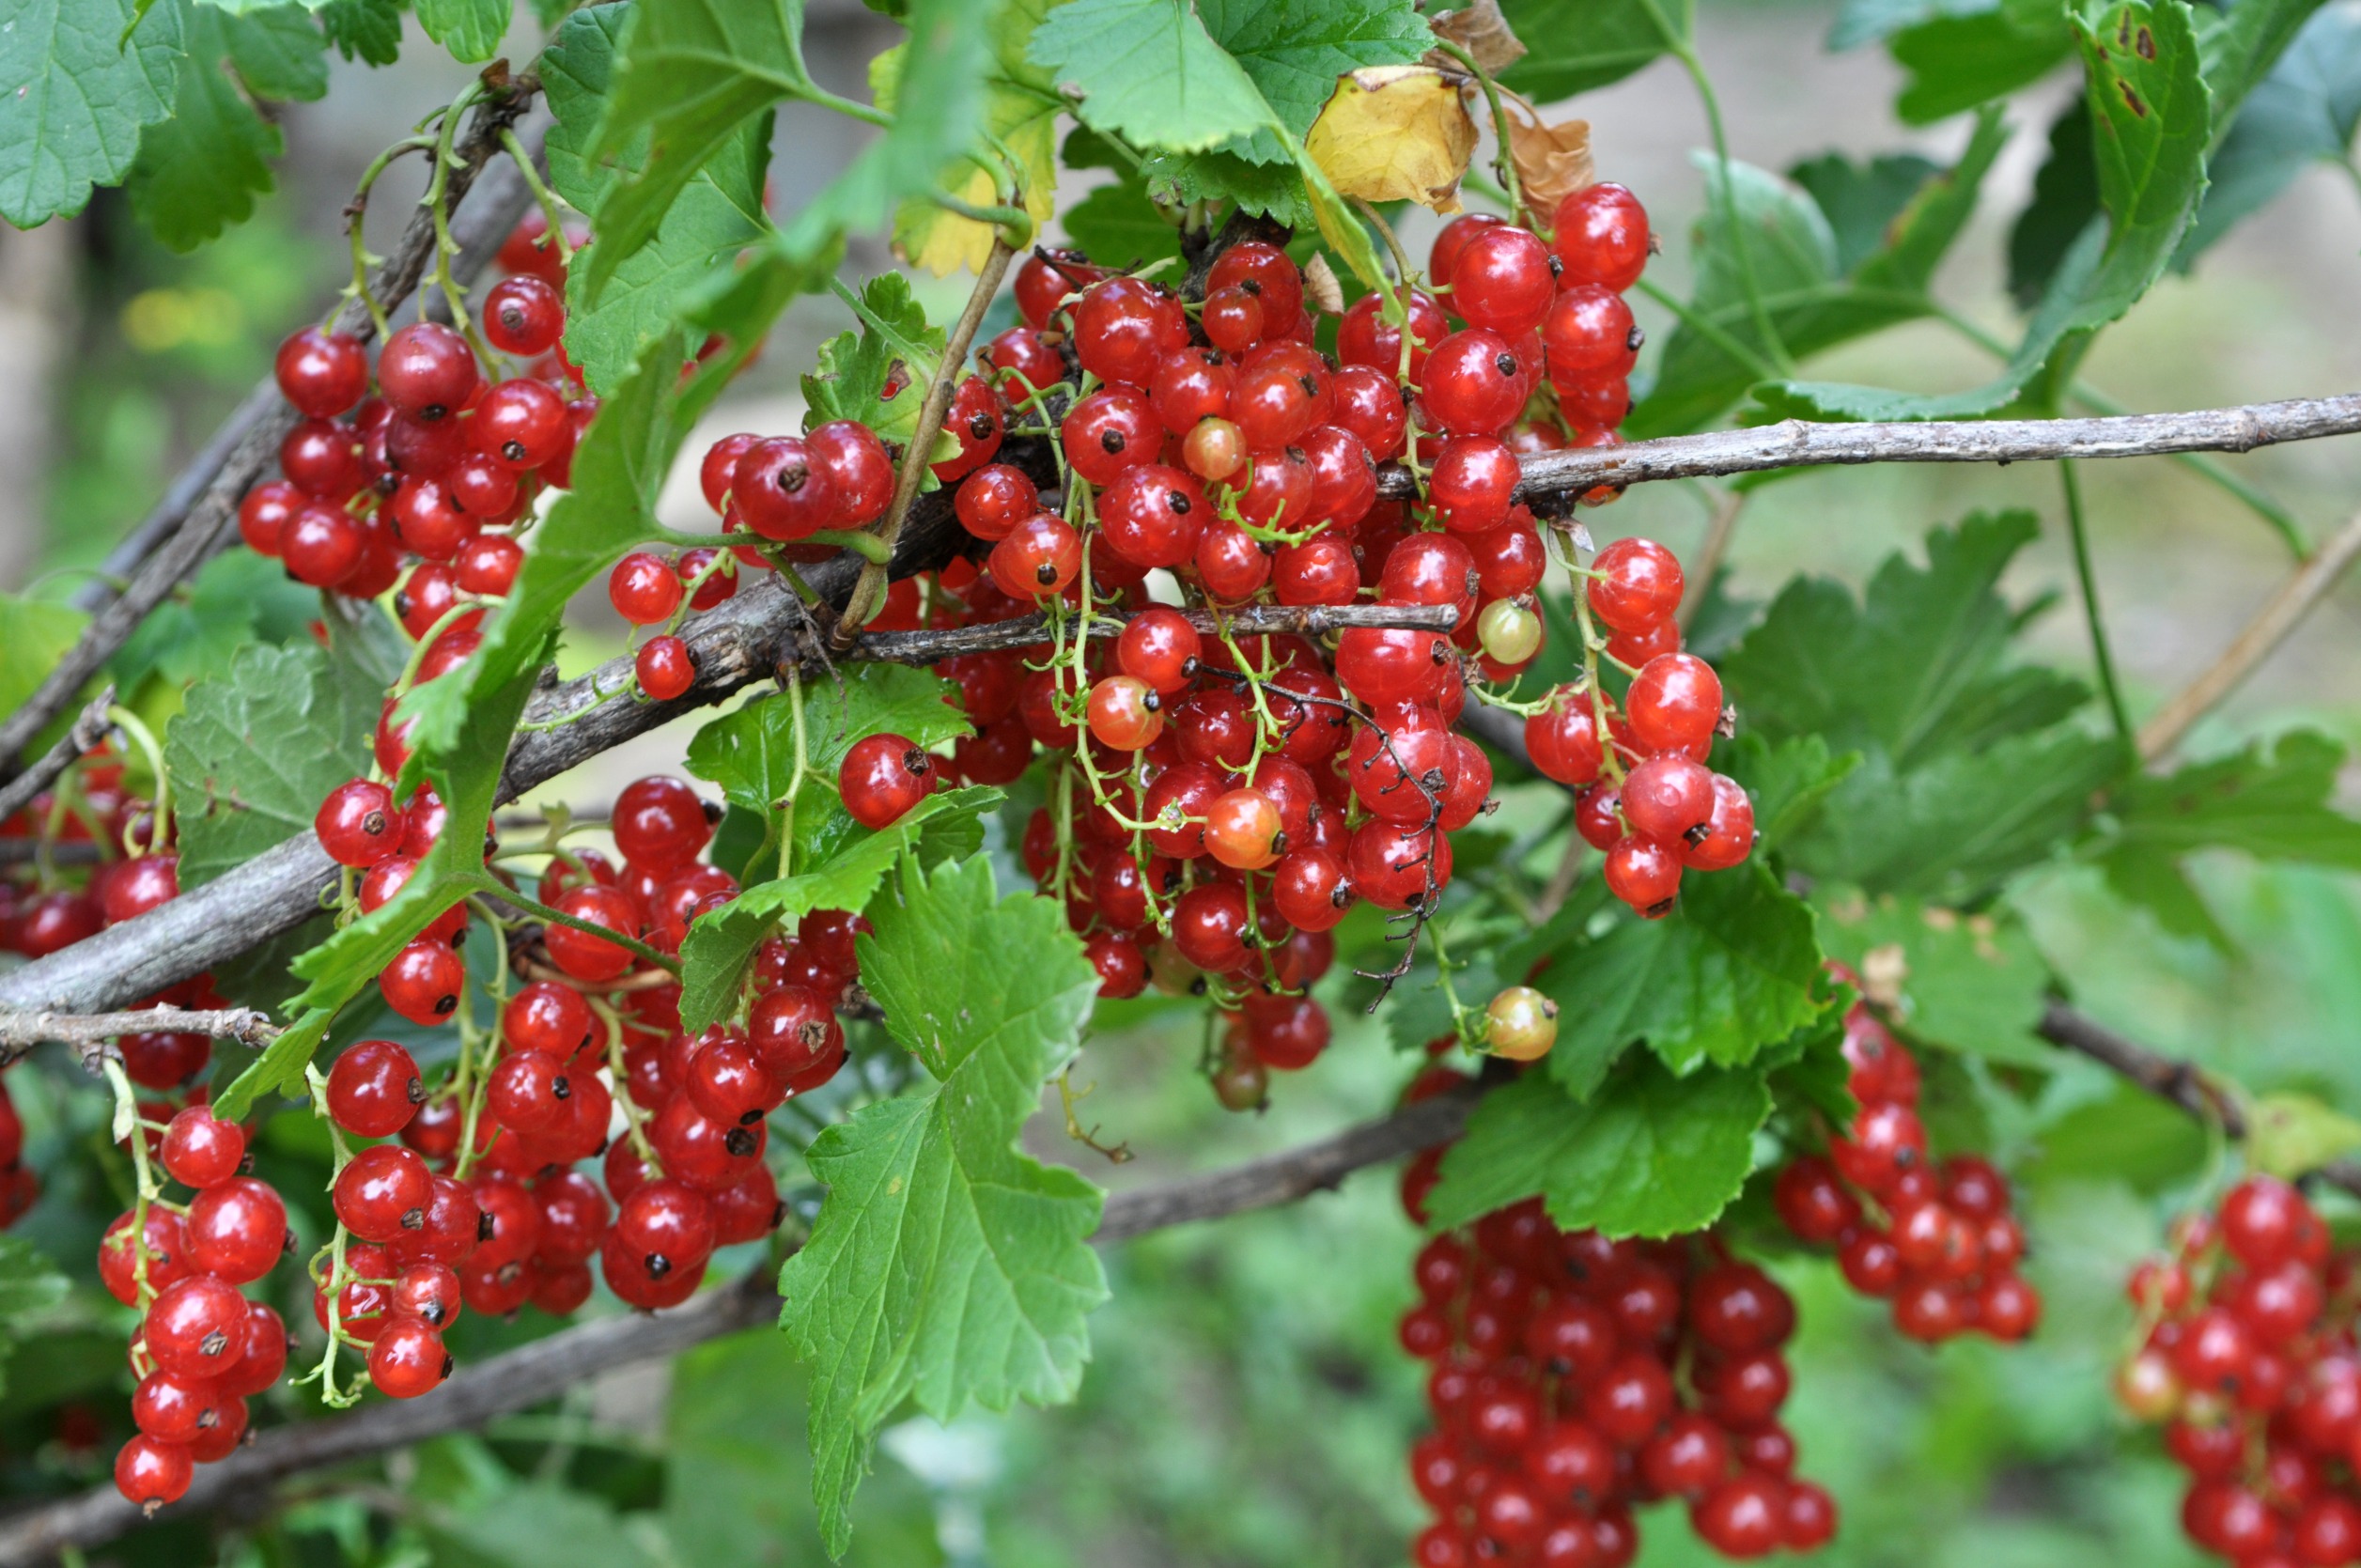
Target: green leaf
258 745
738 1476
30 1287
236 598
612 506
750 752
537 1525
37 634
1649 1155
365 30
1273 190
1958 62
693 76
1572 46
2303 112
717 213
2065 200
1119 221
75 95
1148 72
279 53
1020 110
1294 50
1820 286
2293 1135
2151 130
470 29
1733 968
198 173
1969 983
850 374
947 1266
2238 45
714 954
1787 781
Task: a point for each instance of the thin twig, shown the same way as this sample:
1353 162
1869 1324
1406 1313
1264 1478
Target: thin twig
179 549
1797 443
868 592
1315 620
547 1367
88 731
21 1032
2293 599
1719 530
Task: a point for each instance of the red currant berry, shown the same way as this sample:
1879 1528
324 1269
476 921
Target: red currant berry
1111 429
992 501
780 490
582 955
664 668
882 777
1474 384
1151 515
858 467
323 373
374 1089
1602 237
236 1228
643 588
1503 280
1040 556
200 1151
427 371
152 1473
1444 256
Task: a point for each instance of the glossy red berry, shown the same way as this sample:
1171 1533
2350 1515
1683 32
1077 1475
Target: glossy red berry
781 492
200 1151
1040 556
236 1228
358 824
1636 584
1151 515
427 371
977 420
152 1473
1602 237
578 952
664 668
992 501
1503 280
643 588
321 373
374 1089
1474 384
424 982
197 1328
882 777
524 316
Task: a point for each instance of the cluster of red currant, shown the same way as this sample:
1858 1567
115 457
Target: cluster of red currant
1938 1241
1574 1377
2246 1360
442 466
202 1348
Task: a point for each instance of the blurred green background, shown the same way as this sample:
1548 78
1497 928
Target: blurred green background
1246 1405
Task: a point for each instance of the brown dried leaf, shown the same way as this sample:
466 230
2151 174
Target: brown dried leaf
1395 133
1320 286
1480 30
1551 160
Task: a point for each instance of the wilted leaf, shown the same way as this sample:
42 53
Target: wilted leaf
1395 133
1551 160
1480 30
2288 1135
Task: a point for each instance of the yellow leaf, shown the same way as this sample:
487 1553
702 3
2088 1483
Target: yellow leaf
1395 133
2289 1134
1551 160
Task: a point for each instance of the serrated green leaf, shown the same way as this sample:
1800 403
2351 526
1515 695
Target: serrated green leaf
1808 1067
945 1265
466 776
895 345
1973 984
365 30
1572 46
2150 133
1819 287
279 53
1273 190
1787 781
198 172
1733 968
714 954
1649 1155
717 213
1148 72
1294 50
751 753
75 95
691 76
2239 44
1119 221
470 29
37 634
1862 201
2303 112
1958 62
619 466
258 745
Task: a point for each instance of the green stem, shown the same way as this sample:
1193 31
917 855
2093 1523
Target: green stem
1744 253
160 811
557 917
356 211
2078 531
551 208
1712 331
1503 163
1014 220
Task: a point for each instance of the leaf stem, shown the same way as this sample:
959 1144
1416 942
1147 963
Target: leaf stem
1504 163
1711 330
551 208
2078 531
557 917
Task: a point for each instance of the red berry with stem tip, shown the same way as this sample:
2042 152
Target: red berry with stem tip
992 501
1398 865
858 469
1125 713
643 588
662 823
382 1191
1636 585
236 1228
1040 556
1265 273
780 491
1667 797
358 824
427 371
578 952
171 1408
321 373
197 1328
1244 831
200 1151
528 1091
524 316
428 1292
166 1241
152 1473
1474 384
374 1089
1124 326
1886 1141
1472 484
424 982
1191 385
977 420
1644 872
265 513
795 1031
1674 704
1728 835
664 668
408 1359
1160 646
1111 429
520 424
882 777
1503 280
1601 237
1047 277
1151 515
1234 320
1589 335
320 545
